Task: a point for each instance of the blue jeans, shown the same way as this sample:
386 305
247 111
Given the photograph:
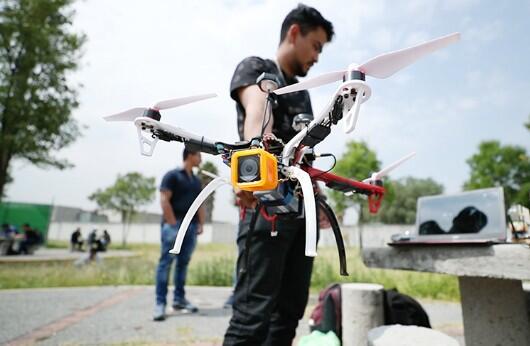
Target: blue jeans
167 237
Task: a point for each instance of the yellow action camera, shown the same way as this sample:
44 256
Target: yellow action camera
254 170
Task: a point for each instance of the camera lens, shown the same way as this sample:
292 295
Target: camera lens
249 168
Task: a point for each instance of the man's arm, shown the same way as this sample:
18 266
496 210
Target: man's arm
254 100
167 210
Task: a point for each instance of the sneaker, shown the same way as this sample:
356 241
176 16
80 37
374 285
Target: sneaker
160 312
184 304
229 302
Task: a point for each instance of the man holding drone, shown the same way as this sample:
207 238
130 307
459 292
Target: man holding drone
273 108
272 290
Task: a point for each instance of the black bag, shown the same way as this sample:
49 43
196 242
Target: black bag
403 309
327 314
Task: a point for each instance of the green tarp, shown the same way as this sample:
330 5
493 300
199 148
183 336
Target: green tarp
36 215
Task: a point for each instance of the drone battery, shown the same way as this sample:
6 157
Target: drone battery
279 201
316 135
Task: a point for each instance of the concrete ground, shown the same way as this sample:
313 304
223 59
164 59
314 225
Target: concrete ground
121 315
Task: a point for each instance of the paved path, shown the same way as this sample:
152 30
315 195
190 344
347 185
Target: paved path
45 254
122 315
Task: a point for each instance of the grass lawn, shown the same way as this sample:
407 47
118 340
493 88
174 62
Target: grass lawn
213 265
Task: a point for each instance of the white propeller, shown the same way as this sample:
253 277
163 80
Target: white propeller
378 175
323 79
131 114
181 101
385 65
382 66
128 115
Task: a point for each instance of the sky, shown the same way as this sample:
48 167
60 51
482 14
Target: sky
442 107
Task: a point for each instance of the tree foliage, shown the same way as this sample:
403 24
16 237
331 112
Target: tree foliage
497 165
37 52
358 162
402 208
205 180
126 196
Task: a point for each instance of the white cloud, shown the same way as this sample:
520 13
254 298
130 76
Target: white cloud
467 104
458 5
484 32
383 39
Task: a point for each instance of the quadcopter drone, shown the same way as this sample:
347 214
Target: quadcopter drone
280 175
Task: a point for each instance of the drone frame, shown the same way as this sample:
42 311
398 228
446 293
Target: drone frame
344 104
354 92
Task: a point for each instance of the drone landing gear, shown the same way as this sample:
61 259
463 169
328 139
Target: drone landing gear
326 209
353 92
208 189
309 208
147 145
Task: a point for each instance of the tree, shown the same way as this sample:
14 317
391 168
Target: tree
358 162
128 193
37 52
402 208
205 180
507 166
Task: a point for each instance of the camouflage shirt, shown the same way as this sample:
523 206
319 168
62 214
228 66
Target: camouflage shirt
288 106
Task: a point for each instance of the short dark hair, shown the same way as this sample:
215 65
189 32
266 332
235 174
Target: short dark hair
308 19
187 153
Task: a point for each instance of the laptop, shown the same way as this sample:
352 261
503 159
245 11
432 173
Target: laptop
472 217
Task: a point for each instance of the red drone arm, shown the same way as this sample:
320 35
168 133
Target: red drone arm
375 193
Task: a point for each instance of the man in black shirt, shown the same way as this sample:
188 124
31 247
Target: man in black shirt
271 295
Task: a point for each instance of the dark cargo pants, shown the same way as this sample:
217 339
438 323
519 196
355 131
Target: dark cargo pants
271 295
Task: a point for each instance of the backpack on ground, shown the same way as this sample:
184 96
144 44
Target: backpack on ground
327 314
398 308
403 309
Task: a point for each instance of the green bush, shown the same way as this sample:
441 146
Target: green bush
217 271
425 285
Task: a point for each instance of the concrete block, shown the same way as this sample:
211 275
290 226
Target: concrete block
362 310
494 312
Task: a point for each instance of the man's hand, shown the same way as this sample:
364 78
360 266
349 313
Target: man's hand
246 198
323 221
167 210
199 229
